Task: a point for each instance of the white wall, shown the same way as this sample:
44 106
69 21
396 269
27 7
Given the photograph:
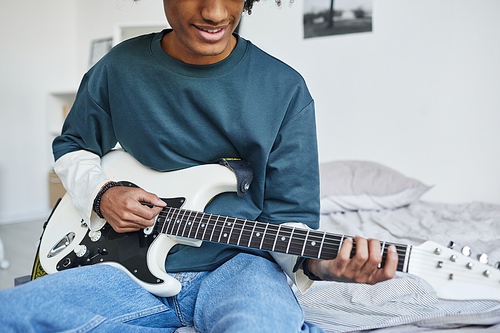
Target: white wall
419 93
98 19
37 54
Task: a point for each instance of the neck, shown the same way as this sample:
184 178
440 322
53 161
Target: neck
175 48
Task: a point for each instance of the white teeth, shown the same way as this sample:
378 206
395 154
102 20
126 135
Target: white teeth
212 31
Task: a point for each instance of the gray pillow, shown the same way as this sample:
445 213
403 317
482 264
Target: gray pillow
362 185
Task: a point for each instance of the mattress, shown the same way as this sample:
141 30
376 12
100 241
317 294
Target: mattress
374 201
408 303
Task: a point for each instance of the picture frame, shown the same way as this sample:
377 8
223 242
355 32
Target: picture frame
98 48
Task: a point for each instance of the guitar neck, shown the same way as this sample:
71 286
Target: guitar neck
264 236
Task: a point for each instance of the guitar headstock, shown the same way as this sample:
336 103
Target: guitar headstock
455 275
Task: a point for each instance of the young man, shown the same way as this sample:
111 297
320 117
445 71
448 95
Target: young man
176 99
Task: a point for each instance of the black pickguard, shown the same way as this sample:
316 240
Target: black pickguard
128 249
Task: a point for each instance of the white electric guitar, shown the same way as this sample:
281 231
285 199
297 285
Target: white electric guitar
68 243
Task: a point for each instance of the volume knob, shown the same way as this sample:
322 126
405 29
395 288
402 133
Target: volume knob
94 235
81 251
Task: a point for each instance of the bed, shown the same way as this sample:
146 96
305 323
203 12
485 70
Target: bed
372 200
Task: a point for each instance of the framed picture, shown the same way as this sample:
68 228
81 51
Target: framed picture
99 48
337 17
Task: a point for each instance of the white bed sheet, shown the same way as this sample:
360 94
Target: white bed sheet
408 303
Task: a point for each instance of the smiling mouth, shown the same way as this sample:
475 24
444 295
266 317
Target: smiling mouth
212 34
212 31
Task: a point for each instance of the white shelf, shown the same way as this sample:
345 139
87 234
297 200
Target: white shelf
125 31
59 103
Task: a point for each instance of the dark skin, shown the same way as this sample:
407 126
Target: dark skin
203 34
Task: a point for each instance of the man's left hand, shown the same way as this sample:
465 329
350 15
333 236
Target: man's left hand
363 267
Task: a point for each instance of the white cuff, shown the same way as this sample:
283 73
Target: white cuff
82 177
288 261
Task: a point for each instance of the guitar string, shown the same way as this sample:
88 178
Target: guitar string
174 213
419 257
284 232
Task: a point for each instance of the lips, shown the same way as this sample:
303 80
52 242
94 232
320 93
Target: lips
211 34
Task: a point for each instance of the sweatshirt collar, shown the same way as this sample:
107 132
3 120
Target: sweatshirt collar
182 68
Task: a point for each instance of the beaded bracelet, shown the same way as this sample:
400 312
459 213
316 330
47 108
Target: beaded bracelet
97 200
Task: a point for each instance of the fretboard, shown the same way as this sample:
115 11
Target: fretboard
260 235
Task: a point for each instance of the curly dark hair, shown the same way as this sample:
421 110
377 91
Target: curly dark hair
249 4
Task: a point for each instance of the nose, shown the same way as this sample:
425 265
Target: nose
214 11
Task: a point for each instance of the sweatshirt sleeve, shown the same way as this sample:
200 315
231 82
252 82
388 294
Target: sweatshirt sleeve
88 125
292 175
82 177
86 136
292 184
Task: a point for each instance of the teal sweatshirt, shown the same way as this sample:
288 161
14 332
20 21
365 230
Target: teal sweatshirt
170 115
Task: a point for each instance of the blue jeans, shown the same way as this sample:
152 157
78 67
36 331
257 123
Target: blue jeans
246 294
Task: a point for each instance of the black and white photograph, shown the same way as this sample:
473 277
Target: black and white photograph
336 17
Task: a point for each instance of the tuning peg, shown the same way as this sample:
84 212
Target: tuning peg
482 258
466 251
451 245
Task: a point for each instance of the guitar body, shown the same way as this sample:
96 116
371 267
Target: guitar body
68 243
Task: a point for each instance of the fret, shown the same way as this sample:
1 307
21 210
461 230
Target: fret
257 236
169 219
340 245
177 223
290 240
215 229
264 233
197 224
296 245
270 237
173 221
264 246
305 242
222 233
164 222
251 235
384 256
331 246
312 244
406 259
188 220
159 222
276 238
262 236
402 251
205 226
321 246
232 224
193 224
242 231
283 238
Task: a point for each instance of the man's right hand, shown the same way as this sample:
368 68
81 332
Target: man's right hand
121 207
